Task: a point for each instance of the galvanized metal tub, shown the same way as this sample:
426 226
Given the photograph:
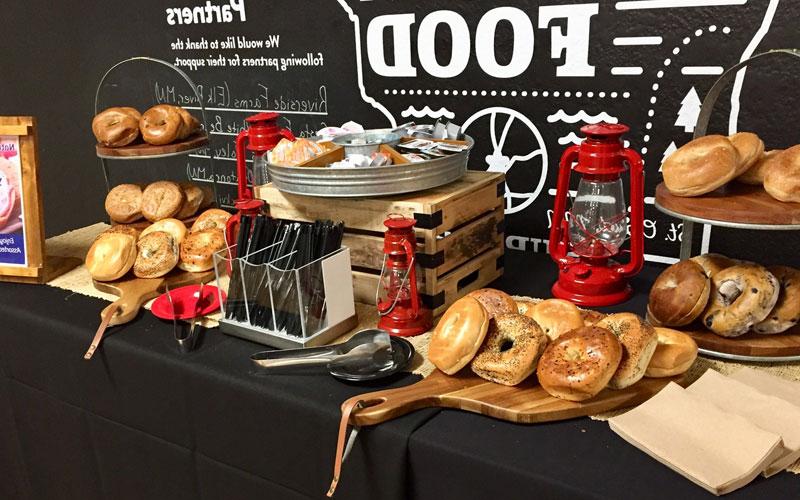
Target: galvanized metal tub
371 181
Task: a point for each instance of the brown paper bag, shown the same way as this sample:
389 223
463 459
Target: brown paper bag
717 450
767 412
769 384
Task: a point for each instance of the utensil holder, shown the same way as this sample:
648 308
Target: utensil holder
271 302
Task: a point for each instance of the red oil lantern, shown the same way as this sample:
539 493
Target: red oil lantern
261 135
584 241
399 307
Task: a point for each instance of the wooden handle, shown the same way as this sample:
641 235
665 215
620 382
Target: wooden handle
132 300
380 406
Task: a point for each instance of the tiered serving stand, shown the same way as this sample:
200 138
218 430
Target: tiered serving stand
740 207
144 151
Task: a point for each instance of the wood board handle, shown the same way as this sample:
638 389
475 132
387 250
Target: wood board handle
131 301
380 406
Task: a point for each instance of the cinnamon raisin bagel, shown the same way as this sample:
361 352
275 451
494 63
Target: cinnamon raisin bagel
786 312
741 296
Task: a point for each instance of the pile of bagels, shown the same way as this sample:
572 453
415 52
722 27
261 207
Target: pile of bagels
575 353
730 297
162 124
708 163
159 248
127 203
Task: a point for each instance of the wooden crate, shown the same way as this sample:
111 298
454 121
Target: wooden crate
459 230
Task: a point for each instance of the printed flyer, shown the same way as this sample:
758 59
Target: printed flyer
12 227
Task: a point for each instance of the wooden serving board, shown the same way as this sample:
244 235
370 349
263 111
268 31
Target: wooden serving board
143 224
733 203
749 344
526 403
144 150
134 292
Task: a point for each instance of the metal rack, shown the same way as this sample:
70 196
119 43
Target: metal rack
188 80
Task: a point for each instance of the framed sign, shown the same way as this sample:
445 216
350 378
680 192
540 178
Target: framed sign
22 251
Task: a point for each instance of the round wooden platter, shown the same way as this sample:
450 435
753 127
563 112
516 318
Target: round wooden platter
526 403
750 346
143 151
733 205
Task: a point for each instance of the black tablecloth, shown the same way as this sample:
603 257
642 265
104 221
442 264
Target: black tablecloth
141 421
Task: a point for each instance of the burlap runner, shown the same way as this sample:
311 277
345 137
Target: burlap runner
76 243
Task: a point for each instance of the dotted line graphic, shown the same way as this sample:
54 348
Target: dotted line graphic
513 93
660 74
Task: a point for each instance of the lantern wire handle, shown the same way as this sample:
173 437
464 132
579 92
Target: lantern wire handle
402 284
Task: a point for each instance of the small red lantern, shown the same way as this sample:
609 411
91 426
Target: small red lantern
262 134
597 226
399 307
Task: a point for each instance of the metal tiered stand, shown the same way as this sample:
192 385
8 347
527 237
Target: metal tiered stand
142 151
739 207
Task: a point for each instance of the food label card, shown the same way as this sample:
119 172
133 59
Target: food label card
12 227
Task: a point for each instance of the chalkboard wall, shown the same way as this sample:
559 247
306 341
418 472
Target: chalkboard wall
521 75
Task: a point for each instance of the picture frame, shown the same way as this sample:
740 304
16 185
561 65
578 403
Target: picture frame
22 242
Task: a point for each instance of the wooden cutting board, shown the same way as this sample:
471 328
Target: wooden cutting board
134 292
526 403
144 150
749 344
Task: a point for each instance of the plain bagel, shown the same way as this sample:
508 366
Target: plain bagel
458 335
116 127
111 256
674 355
741 296
557 317
639 341
161 124
700 166
580 363
712 263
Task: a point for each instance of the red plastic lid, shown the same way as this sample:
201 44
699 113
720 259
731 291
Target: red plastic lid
603 129
263 117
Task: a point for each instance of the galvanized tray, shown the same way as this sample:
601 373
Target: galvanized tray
371 181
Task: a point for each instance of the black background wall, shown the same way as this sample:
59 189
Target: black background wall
644 62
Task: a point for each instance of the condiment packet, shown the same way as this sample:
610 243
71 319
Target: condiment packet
768 412
413 157
419 144
718 450
453 148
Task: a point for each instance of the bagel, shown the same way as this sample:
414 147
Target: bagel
580 363
639 341
556 317
161 200
161 124
674 354
591 317
124 203
208 197
458 335
192 199
111 256
712 263
213 218
782 180
525 307
749 147
755 174
173 227
741 296
495 302
116 127
198 249
700 166
786 312
158 255
122 229
679 294
511 349
189 124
